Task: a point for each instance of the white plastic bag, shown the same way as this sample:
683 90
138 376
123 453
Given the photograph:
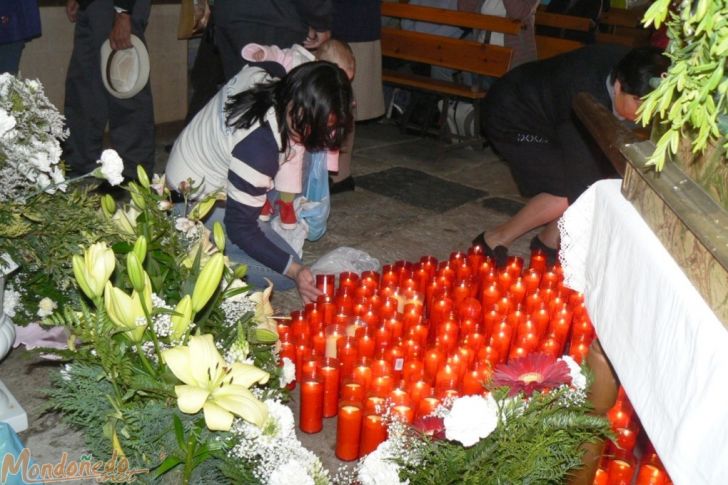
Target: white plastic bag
294 237
345 259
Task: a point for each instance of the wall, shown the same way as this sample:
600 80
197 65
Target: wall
46 58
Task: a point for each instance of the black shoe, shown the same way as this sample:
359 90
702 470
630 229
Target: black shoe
499 254
344 185
552 255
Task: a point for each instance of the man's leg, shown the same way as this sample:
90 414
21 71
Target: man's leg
131 121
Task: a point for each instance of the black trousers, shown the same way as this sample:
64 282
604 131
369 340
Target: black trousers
89 107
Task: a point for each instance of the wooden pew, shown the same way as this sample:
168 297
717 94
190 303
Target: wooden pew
620 26
552 45
458 54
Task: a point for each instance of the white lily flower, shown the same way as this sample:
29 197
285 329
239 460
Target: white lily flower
219 389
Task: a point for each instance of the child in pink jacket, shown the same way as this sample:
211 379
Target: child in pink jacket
288 180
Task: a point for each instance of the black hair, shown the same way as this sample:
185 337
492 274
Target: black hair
319 97
636 69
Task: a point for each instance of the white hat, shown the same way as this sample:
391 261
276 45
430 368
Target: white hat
125 72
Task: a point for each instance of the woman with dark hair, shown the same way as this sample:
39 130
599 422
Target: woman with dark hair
236 143
528 119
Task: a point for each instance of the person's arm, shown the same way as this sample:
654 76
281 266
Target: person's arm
120 36
259 53
72 10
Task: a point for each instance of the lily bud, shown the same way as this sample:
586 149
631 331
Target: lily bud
108 205
265 336
240 271
136 271
140 248
126 311
218 234
202 208
94 269
136 196
182 318
142 177
207 281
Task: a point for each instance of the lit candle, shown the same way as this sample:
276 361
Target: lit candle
552 347
474 381
314 317
418 390
399 396
489 354
441 310
389 276
352 391
432 361
475 257
446 378
517 291
490 295
620 472
348 431
413 369
318 342
365 346
461 291
373 433
404 413
501 340
326 283
369 279
312 405
475 341
333 334
363 374
382 385
395 327
328 308
538 260
348 280
427 406
330 377
412 347
346 351
531 280
651 475
388 308
491 320
578 350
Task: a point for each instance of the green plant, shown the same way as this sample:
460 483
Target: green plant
690 101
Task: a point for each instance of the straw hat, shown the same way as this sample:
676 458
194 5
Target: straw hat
125 72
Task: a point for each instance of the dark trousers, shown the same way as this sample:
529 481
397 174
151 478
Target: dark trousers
89 106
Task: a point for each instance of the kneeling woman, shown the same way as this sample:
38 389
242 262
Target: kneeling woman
237 142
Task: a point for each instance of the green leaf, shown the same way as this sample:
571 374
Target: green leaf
179 433
169 463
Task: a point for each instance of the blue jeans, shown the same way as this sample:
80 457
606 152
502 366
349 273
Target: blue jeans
257 272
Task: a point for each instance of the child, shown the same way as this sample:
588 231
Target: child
288 180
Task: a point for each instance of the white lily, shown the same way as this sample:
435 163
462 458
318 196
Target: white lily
126 220
219 389
127 311
94 269
267 327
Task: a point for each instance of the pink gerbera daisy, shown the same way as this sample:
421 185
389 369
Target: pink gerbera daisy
535 372
432 426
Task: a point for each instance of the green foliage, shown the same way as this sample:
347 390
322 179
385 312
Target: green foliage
41 236
538 441
691 99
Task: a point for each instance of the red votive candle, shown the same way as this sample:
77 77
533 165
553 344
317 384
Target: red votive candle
433 359
312 404
348 431
352 391
538 260
403 412
330 375
326 283
348 280
651 475
620 472
447 378
362 373
418 390
373 433
427 406
381 385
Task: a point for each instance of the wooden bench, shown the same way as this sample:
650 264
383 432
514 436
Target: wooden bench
620 26
462 55
552 45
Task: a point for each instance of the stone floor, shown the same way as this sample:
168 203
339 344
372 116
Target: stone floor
415 196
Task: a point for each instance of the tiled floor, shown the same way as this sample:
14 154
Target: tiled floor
413 198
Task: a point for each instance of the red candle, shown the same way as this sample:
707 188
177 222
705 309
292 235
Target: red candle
365 346
578 350
382 385
326 283
427 406
314 316
413 369
389 276
441 310
620 472
404 413
516 353
475 257
517 291
363 374
348 431
548 279
421 277
348 280
447 378
490 321
412 348
531 280
474 380
312 405
601 477
373 433
374 405
418 390
651 475
538 260
395 327
346 350
399 396
490 295
330 376
474 341
318 341
352 391
489 354
552 346
388 308
381 367
501 340
432 360
534 301
328 308
370 279
333 334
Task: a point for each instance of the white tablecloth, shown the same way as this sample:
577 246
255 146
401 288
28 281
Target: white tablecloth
666 345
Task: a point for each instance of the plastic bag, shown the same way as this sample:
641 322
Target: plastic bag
316 206
294 237
345 259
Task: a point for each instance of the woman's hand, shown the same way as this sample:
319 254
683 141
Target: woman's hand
304 281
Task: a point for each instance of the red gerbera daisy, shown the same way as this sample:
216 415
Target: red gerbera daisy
431 426
535 372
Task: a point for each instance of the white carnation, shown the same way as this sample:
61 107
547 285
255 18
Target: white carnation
111 167
290 472
471 419
7 122
377 469
288 373
578 379
46 307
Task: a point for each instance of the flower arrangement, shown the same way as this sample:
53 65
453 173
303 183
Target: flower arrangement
172 362
43 218
528 429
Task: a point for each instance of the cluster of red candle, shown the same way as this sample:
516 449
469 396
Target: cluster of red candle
631 458
417 333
